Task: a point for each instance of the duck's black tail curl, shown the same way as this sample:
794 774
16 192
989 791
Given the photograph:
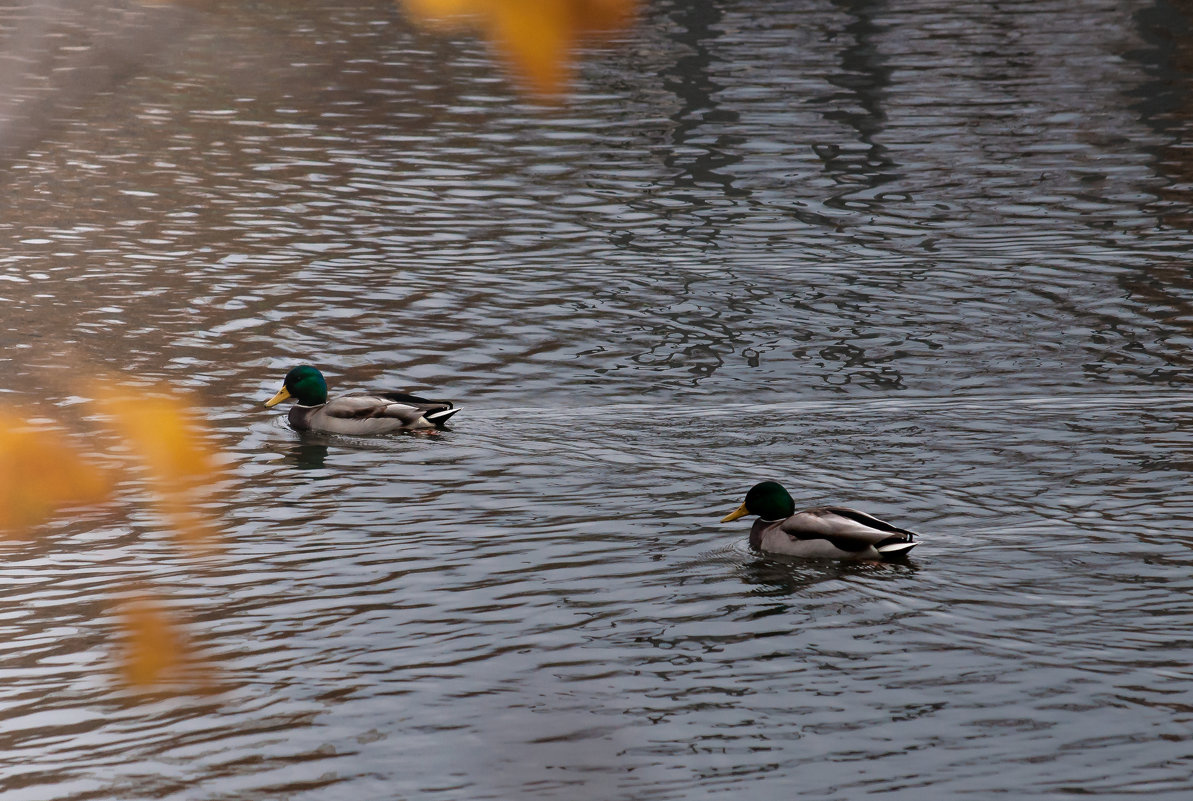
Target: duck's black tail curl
440 416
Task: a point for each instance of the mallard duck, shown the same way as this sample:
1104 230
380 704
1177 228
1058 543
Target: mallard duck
832 532
360 413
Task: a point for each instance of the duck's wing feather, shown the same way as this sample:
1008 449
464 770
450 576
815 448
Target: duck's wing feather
848 529
400 406
436 411
406 397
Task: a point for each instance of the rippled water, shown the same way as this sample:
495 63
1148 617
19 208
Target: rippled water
924 258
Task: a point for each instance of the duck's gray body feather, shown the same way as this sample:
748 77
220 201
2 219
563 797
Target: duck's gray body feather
834 532
367 413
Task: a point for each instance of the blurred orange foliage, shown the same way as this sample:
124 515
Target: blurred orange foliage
41 472
154 649
181 466
537 37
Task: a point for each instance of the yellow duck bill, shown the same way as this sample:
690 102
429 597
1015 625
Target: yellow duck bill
735 514
283 393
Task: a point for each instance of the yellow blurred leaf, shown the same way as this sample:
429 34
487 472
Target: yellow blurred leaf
537 37
604 16
447 13
154 649
41 472
157 428
181 465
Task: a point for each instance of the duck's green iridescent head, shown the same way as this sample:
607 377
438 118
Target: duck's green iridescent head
768 500
305 384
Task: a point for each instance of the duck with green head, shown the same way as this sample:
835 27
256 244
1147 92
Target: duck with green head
358 413
832 532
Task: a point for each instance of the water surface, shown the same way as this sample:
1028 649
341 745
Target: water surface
928 259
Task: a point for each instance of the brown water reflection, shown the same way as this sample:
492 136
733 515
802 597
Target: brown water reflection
922 258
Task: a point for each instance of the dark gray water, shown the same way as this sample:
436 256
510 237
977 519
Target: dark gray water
925 258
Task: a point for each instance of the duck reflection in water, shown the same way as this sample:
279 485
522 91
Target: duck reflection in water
309 453
777 577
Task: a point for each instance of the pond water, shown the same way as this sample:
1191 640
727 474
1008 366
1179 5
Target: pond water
928 259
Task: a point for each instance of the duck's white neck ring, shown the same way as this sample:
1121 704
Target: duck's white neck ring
776 520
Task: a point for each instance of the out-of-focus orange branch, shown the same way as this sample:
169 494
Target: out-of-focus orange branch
537 37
